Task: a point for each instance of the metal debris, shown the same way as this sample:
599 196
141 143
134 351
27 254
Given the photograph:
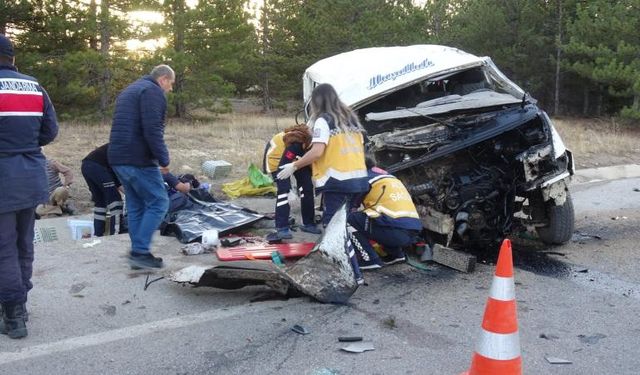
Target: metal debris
558 361
349 338
300 329
196 248
148 283
91 244
359 347
325 273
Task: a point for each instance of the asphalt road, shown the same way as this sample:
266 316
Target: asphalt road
579 302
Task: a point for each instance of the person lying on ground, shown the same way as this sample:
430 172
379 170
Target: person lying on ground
284 148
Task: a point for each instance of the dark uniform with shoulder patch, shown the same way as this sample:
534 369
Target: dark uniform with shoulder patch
27 122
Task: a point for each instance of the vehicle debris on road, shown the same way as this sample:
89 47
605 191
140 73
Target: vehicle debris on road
558 361
358 347
325 273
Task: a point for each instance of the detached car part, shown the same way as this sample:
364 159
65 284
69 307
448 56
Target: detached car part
325 273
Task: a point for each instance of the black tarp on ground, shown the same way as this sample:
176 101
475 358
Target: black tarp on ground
188 224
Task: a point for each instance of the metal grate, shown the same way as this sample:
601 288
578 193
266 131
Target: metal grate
45 235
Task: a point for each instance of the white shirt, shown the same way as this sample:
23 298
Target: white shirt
321 131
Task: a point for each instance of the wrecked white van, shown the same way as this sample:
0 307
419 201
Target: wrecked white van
477 154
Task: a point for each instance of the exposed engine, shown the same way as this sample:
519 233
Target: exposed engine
467 197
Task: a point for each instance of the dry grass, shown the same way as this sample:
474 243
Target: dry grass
240 140
597 142
237 138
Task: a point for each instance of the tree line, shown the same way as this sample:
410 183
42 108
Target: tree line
577 57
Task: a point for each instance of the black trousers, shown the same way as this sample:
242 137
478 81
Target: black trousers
305 189
105 196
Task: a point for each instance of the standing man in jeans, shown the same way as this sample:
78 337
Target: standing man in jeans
138 155
27 122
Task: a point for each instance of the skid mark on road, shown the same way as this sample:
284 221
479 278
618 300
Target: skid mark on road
75 343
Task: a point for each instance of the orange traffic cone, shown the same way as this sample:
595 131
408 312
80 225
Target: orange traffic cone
498 350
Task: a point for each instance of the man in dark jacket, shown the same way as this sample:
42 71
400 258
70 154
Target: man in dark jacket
27 122
136 150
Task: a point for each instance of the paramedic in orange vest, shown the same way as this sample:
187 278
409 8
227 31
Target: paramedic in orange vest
337 152
284 148
388 217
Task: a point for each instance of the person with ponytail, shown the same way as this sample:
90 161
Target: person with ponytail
336 156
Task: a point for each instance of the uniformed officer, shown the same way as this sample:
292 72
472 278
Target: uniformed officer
105 191
27 122
284 148
388 217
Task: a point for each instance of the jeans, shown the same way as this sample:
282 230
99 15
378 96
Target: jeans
147 203
16 254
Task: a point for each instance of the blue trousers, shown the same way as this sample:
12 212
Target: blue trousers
391 238
147 203
333 200
105 196
16 255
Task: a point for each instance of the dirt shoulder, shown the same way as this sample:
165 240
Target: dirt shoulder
598 143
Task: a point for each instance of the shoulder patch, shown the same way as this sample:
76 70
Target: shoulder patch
317 132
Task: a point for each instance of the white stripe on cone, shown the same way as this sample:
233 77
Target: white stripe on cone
503 288
502 347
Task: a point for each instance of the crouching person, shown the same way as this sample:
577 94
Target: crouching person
285 148
105 192
389 217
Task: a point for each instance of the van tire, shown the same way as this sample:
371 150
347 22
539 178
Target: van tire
561 221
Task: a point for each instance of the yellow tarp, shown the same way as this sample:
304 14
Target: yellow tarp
257 183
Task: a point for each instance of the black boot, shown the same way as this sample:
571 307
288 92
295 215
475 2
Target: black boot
13 320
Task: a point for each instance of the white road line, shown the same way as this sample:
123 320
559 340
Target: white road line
124 333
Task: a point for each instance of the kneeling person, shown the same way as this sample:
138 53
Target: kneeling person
389 217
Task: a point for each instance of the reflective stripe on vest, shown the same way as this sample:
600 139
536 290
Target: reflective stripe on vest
388 196
274 153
